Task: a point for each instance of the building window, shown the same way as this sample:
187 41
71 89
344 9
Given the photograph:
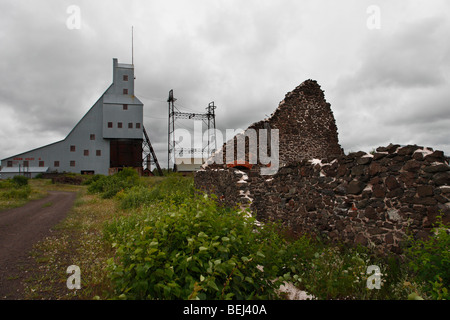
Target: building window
86 152
110 125
92 136
138 125
125 77
56 164
9 164
98 153
72 148
130 125
72 163
125 91
125 107
26 164
119 125
41 163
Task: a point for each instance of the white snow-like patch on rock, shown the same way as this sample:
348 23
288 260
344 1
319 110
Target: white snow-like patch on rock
424 151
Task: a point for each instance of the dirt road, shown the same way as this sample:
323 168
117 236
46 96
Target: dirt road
22 227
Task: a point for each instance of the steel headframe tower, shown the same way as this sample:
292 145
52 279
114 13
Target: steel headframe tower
149 154
208 118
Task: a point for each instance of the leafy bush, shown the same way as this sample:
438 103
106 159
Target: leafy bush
109 186
195 250
20 181
429 261
91 179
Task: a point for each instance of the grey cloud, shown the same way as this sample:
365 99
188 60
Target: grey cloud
410 58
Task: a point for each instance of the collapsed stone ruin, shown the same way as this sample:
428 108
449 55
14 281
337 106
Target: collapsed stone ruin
373 200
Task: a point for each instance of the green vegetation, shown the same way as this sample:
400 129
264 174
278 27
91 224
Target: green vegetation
17 191
429 261
157 238
189 249
109 186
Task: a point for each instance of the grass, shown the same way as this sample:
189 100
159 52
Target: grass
13 196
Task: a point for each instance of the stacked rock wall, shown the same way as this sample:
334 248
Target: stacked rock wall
373 200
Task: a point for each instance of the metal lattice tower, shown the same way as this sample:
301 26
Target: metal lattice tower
208 118
149 154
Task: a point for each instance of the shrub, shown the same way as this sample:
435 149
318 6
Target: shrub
429 260
109 186
20 181
92 179
195 250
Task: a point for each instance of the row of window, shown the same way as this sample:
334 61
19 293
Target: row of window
120 125
42 163
98 153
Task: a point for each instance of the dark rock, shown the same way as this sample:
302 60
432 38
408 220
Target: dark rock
425 191
359 170
391 148
445 189
360 239
378 156
418 156
389 238
398 192
395 168
364 160
342 170
341 190
437 168
408 150
441 199
356 155
355 187
374 168
436 156
427 201
392 183
376 230
412 165
442 178
370 213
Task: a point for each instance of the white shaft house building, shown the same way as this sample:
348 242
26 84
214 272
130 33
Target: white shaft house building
107 138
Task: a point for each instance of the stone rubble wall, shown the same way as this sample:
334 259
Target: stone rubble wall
369 199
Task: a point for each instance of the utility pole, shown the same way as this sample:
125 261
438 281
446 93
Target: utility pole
171 131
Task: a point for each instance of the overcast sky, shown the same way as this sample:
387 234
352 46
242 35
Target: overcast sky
384 65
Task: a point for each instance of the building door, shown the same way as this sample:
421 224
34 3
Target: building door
125 153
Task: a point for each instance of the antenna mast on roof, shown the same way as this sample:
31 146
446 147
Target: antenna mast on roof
132 46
